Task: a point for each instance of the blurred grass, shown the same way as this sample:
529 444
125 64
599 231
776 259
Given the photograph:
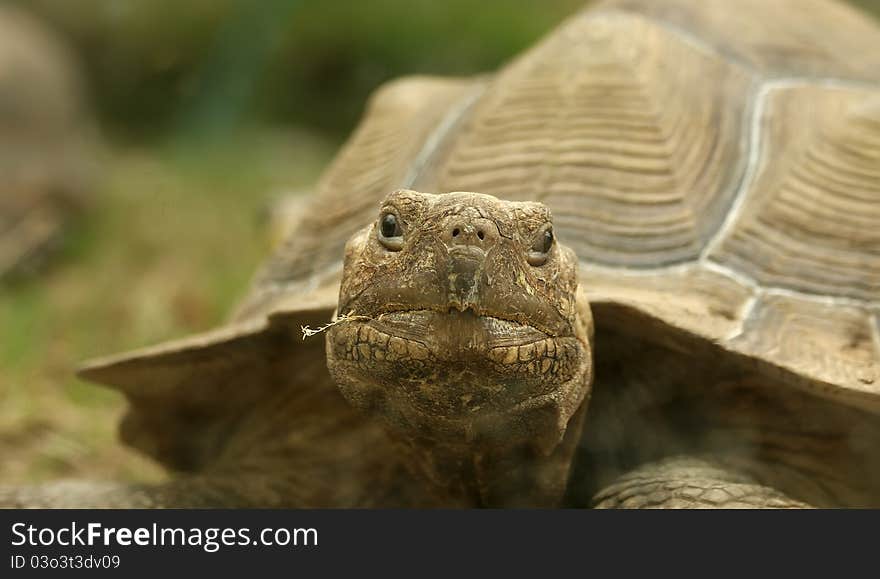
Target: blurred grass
167 251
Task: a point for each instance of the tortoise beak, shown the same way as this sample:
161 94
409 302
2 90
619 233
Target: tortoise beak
465 270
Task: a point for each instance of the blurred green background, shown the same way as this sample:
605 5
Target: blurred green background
165 65
208 109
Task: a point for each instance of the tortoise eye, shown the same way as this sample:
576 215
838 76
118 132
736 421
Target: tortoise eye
540 251
390 234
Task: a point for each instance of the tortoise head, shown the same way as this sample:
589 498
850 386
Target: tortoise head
463 325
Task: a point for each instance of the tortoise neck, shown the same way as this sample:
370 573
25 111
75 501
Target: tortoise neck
519 476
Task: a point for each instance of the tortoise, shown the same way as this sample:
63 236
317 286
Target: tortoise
647 274
47 142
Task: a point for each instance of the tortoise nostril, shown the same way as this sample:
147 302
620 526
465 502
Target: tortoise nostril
469 231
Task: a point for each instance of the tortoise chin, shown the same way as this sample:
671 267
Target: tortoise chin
454 376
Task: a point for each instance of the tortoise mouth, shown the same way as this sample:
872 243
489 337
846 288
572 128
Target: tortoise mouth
429 297
457 331
448 364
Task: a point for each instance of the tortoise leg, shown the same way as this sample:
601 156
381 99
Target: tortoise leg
685 482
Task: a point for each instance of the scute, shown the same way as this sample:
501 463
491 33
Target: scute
186 394
833 344
696 300
810 221
631 134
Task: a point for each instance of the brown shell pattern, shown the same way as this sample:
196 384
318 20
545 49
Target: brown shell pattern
715 165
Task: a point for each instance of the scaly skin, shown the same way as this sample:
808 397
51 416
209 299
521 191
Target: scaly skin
690 483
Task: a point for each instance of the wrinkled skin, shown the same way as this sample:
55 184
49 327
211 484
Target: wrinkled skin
468 338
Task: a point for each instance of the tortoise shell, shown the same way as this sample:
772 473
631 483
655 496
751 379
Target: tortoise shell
716 167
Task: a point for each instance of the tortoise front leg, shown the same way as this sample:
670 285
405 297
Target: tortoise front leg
685 482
